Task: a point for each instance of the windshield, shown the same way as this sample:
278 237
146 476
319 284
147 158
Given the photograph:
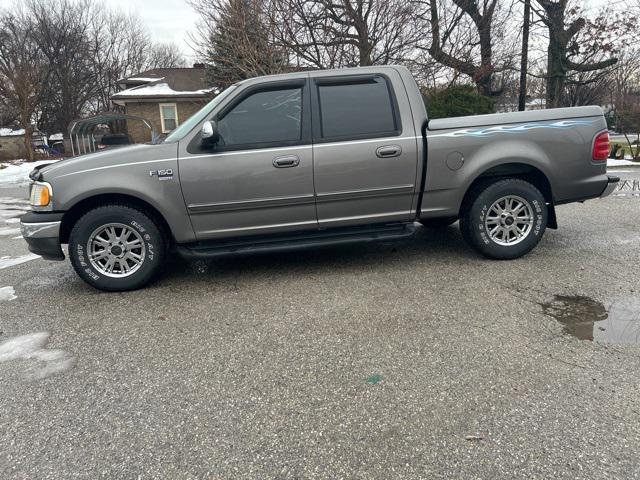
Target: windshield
198 117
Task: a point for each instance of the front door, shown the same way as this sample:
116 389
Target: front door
365 152
259 178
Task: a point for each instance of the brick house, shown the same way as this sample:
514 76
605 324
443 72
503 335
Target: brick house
164 96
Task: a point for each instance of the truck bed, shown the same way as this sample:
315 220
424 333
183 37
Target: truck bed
514 117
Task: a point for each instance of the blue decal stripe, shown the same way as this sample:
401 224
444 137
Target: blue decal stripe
487 132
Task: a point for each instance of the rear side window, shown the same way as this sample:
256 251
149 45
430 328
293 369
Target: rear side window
362 109
272 116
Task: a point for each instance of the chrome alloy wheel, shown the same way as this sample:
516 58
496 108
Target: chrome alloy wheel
116 250
509 220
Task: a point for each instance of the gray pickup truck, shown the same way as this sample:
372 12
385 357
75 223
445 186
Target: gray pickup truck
312 159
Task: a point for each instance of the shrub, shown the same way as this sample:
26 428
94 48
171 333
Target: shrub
458 101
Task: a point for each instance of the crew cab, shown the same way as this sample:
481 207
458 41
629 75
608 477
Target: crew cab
312 159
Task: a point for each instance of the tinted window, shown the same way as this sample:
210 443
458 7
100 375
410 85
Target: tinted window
356 109
273 116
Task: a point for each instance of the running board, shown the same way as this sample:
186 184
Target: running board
303 241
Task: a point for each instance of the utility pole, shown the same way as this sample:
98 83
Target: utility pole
524 59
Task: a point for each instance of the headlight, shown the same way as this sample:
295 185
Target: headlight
41 196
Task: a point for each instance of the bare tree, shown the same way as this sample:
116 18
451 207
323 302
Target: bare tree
117 45
334 33
120 46
625 99
23 71
565 21
62 30
477 19
164 55
89 48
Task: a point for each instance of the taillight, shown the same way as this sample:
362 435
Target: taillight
601 147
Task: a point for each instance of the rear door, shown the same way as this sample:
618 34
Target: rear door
365 151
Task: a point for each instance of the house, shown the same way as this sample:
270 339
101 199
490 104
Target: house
163 96
12 143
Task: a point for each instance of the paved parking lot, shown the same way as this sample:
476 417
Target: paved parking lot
410 360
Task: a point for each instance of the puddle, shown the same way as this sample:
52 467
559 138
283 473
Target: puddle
587 319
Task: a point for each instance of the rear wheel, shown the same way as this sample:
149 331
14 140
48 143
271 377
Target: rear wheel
505 219
116 248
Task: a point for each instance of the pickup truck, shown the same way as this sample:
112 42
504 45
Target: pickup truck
312 159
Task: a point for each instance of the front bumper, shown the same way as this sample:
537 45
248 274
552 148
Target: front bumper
612 183
41 231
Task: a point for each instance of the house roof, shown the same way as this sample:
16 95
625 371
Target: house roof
163 83
157 90
178 79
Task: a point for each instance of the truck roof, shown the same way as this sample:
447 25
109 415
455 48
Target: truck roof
315 73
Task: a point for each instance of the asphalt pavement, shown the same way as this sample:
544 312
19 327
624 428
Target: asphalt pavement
417 359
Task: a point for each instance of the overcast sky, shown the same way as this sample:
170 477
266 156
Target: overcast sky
171 20
167 20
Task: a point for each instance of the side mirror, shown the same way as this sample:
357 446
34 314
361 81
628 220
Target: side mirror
209 133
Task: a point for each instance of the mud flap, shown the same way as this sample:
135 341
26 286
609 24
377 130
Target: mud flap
552 219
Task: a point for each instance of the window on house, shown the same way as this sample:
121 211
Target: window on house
168 116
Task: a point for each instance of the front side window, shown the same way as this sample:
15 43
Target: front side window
356 109
168 117
197 118
266 117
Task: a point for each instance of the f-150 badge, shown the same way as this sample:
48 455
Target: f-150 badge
166 174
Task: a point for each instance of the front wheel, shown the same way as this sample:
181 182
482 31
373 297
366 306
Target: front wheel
505 219
116 248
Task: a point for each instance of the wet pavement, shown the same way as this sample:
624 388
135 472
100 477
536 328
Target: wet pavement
410 360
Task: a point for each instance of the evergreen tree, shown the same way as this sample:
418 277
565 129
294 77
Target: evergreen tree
241 44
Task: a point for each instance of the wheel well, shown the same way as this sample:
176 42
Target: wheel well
524 172
79 209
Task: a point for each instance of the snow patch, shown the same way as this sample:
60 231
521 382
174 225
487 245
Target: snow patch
6 262
32 347
17 173
10 132
7 294
159 90
613 162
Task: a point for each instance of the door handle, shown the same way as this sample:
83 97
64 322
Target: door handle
286 161
389 151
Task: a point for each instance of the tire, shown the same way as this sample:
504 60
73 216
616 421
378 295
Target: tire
478 220
102 230
442 222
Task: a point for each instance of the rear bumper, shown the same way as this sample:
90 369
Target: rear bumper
612 183
42 234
